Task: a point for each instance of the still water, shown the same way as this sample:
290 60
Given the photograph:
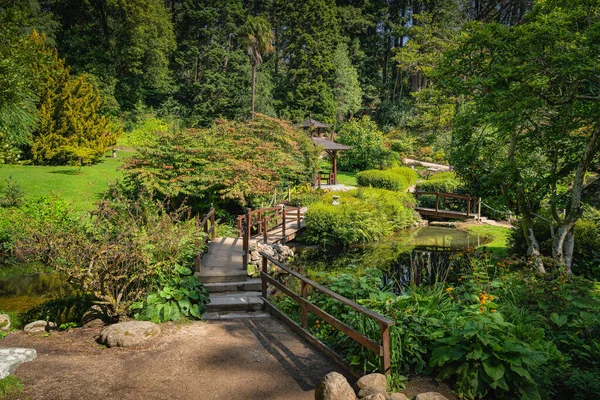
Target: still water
22 287
419 256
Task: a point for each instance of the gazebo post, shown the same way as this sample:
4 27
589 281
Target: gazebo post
334 154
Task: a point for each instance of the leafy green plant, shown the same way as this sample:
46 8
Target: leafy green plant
485 359
385 179
67 310
12 195
182 297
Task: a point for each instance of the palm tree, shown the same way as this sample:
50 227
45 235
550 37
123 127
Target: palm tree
258 37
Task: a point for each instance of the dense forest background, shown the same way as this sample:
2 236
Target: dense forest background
189 59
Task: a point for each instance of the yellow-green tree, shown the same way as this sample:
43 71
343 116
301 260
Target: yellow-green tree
70 130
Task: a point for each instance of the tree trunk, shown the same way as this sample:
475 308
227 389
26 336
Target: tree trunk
253 88
533 247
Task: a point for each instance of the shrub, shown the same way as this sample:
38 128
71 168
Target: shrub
239 162
385 179
438 185
363 215
182 297
369 149
410 174
344 224
60 311
12 195
129 248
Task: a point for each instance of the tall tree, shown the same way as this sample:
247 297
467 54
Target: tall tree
346 90
258 37
126 44
528 117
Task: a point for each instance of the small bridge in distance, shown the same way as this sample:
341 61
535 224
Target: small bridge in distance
473 206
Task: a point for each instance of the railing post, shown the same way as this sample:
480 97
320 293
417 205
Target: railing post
260 214
304 311
437 197
265 270
265 230
212 222
298 216
283 222
468 207
386 362
246 239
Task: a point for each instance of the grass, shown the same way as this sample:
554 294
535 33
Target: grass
10 386
498 236
82 188
347 178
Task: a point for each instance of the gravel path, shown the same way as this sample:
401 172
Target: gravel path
236 359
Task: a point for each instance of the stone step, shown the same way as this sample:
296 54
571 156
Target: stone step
234 315
234 302
241 286
220 275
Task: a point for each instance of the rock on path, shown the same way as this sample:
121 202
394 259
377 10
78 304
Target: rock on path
10 359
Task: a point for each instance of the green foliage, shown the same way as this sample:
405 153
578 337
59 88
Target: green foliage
233 161
70 130
369 149
182 297
10 386
61 311
346 91
385 179
441 182
410 174
127 248
363 215
146 133
12 195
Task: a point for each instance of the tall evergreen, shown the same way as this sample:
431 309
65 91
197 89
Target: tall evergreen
70 130
309 33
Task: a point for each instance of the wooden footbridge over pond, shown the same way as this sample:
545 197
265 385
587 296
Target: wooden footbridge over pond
223 271
458 202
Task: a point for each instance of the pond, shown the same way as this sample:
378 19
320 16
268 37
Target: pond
23 286
420 256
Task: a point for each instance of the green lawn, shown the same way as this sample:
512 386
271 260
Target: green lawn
498 236
347 178
81 188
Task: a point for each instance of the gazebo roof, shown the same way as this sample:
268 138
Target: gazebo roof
330 145
312 123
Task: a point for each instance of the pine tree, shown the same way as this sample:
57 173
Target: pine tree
70 129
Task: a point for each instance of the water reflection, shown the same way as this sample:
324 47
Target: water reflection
420 256
22 292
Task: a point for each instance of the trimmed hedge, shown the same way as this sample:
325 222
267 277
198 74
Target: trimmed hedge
385 179
410 174
440 182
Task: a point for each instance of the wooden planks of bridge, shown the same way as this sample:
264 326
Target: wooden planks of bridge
472 209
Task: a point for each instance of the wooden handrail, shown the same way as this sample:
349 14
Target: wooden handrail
382 349
418 193
210 232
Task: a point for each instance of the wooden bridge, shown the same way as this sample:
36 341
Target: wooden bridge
223 271
473 206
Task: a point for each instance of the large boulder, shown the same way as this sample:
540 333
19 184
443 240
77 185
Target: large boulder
378 381
4 322
430 396
39 326
370 391
334 386
398 396
376 396
128 334
10 359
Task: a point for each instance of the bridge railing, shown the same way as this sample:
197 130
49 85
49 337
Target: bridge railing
381 347
261 221
472 201
208 219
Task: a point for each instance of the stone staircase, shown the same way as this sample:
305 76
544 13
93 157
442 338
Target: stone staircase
232 293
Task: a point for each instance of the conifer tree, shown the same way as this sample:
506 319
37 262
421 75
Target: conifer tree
70 130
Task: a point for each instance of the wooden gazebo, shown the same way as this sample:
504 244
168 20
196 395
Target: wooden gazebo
331 148
316 128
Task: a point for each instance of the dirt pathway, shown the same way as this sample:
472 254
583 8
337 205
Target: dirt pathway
238 359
